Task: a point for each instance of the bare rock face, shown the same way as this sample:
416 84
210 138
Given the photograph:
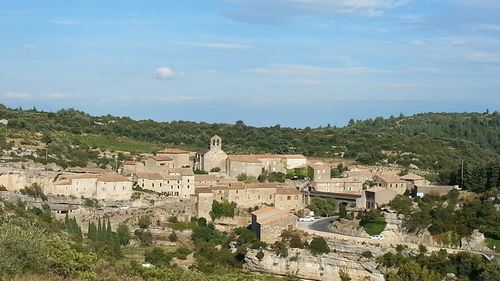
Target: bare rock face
304 265
475 242
348 227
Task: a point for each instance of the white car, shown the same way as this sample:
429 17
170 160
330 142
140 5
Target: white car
377 237
306 219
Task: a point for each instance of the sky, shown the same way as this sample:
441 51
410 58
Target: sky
296 63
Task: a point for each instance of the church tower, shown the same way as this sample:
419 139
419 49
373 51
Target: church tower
215 143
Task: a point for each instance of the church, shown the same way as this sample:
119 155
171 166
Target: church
209 159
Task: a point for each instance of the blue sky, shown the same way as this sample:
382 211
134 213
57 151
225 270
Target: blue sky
291 62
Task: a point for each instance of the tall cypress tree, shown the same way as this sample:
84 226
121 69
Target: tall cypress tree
99 230
109 233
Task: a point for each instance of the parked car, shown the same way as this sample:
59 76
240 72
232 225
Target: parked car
306 219
377 237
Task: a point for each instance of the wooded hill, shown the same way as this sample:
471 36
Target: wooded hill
433 141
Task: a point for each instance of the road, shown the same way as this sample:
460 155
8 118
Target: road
321 227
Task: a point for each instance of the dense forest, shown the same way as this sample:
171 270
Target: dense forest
431 141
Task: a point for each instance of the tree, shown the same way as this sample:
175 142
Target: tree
280 249
343 210
318 246
215 170
242 177
144 237
144 222
260 255
322 207
123 234
222 209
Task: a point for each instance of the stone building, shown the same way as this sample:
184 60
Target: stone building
268 223
205 180
321 171
178 182
414 180
212 157
180 158
377 196
391 182
281 163
251 195
158 163
243 164
338 185
108 186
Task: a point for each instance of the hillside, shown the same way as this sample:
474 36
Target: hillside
433 141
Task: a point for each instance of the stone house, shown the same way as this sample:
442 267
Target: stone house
335 185
251 195
178 182
158 163
212 157
360 175
391 182
107 186
321 171
268 223
289 199
180 158
205 180
414 180
281 163
243 164
377 196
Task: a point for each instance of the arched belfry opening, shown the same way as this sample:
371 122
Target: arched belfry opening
215 142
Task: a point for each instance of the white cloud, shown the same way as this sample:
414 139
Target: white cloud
484 57
307 70
490 27
164 73
280 11
166 99
215 45
56 96
17 95
29 48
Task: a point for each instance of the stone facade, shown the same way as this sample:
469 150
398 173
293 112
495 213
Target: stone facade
175 182
108 186
243 164
391 182
377 196
338 185
214 157
180 158
268 223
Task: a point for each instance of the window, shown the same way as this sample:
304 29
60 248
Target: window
123 187
289 198
142 185
258 197
153 184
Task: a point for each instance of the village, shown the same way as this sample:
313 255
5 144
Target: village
271 195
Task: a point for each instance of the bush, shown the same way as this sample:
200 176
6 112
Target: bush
260 255
144 237
318 246
34 191
280 249
157 256
123 234
373 222
173 237
215 170
144 222
322 207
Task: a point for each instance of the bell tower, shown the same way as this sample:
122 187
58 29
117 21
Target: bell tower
215 142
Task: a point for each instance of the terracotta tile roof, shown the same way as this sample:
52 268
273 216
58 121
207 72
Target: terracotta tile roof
161 158
411 177
204 177
280 156
269 214
389 178
171 177
113 177
244 158
287 191
149 176
83 176
261 185
377 189
129 162
203 190
182 171
173 151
